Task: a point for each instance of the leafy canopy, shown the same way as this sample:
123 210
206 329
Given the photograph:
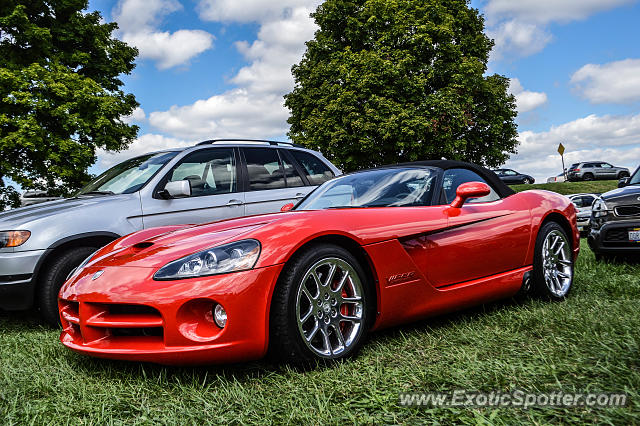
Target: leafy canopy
386 81
60 96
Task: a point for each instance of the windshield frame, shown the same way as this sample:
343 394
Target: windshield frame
437 177
85 192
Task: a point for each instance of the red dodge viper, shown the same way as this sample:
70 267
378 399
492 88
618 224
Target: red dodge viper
362 252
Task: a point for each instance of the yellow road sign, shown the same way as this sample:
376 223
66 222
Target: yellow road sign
561 149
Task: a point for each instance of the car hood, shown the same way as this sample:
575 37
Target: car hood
19 218
627 195
154 248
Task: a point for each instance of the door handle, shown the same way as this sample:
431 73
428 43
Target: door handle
234 202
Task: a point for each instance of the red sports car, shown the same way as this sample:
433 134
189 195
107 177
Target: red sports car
362 252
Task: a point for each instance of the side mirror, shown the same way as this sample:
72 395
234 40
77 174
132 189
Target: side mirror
178 189
623 182
470 190
286 207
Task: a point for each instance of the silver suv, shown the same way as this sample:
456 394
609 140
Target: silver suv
591 170
41 244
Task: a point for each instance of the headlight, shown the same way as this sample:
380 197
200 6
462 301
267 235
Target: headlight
599 208
13 238
232 257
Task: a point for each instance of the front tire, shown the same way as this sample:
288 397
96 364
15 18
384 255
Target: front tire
52 278
552 263
320 307
527 181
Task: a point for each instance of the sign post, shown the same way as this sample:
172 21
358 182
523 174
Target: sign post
561 152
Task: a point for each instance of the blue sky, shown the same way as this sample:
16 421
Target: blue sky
219 68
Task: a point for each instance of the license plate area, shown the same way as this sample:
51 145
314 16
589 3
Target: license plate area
634 235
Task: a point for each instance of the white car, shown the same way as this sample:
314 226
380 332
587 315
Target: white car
583 203
559 178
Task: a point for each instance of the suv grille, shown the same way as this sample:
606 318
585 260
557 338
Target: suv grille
96 321
627 210
618 234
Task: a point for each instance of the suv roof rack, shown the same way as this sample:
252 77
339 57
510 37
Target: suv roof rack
249 141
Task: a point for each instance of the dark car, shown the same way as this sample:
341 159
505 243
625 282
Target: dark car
615 220
511 177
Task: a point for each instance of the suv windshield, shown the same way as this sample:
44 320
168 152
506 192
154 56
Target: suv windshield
635 179
128 176
393 187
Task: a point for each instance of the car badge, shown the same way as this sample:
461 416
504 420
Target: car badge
97 275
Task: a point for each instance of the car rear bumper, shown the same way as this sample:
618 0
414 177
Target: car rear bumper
613 237
17 270
126 315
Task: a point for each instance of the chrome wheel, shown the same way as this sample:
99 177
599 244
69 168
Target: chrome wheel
556 263
330 307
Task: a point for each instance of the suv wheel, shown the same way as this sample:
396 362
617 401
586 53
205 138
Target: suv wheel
587 176
53 277
623 175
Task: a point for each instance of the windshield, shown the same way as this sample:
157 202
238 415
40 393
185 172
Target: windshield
393 187
635 179
129 176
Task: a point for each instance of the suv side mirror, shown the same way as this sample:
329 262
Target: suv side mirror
623 182
470 190
178 189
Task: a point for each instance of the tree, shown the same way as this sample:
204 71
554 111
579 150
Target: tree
60 96
386 81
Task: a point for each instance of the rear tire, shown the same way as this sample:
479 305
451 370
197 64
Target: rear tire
552 263
623 175
321 307
527 181
52 278
587 177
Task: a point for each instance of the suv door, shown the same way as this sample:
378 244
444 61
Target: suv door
215 194
607 171
271 180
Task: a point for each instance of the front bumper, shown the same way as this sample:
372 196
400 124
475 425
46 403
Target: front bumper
613 237
126 315
17 270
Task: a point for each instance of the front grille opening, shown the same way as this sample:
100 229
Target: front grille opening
628 210
619 234
137 332
132 310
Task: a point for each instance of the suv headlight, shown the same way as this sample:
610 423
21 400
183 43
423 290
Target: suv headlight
232 257
599 208
13 238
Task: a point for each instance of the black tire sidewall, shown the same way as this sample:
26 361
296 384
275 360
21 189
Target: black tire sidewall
285 336
52 279
538 284
588 177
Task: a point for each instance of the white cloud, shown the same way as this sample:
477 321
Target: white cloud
255 108
603 138
551 10
143 145
250 10
136 116
520 27
138 21
615 82
170 49
526 100
237 113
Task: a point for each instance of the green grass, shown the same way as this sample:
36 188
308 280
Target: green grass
566 188
587 343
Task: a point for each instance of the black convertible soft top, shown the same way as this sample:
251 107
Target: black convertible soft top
490 177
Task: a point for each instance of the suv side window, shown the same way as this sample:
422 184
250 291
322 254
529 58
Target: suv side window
606 165
210 171
317 172
291 174
453 178
264 168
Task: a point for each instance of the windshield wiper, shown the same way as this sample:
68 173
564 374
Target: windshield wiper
98 193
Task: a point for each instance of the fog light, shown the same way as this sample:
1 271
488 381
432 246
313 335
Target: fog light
220 316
